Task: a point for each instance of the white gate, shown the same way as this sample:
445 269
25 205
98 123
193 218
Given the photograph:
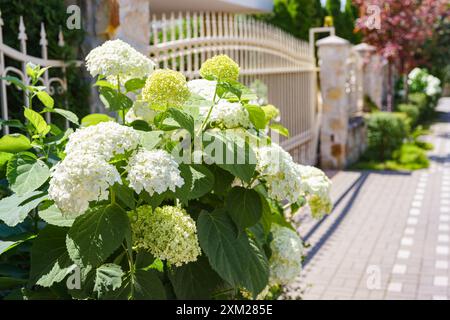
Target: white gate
53 84
283 64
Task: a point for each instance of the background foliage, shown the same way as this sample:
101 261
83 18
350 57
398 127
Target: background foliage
53 14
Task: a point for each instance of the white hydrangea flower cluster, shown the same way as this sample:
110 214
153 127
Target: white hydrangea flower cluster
154 171
433 86
169 233
202 87
281 174
85 174
285 262
105 140
116 58
421 78
79 179
316 186
230 115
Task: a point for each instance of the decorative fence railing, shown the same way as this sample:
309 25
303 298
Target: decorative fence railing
269 58
13 63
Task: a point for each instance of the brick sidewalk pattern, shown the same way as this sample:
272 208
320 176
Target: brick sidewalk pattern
388 235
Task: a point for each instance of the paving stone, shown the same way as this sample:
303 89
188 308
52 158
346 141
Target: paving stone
389 233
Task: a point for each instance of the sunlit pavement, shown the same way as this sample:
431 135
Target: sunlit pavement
388 236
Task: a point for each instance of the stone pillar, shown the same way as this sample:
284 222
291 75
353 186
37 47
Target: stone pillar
134 23
333 54
365 51
376 89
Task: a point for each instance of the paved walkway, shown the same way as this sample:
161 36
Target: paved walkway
388 236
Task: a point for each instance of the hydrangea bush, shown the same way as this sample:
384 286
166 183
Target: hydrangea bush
419 80
182 196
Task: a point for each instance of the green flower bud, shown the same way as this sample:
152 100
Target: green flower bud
164 89
221 68
169 233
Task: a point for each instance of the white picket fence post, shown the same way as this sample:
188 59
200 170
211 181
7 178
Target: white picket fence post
23 58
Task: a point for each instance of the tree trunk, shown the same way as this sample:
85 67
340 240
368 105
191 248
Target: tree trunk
405 88
389 88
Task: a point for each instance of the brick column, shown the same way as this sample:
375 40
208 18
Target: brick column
333 54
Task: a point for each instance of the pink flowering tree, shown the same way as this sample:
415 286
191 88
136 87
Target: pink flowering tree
398 29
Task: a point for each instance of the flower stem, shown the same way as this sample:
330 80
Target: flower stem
118 90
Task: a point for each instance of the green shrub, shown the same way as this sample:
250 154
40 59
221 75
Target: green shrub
411 157
411 111
420 100
386 132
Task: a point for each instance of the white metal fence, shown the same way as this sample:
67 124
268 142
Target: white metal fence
284 64
54 84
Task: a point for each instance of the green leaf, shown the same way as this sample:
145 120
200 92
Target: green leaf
14 209
266 218
183 119
244 206
222 180
108 277
95 118
37 121
16 81
195 280
11 123
14 143
50 262
6 245
69 115
8 283
270 112
278 127
26 173
146 261
134 84
46 99
233 256
150 139
257 116
198 181
52 215
140 125
140 285
4 158
231 153
106 84
125 195
95 235
114 100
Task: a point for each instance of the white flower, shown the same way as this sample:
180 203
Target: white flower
414 73
433 85
316 186
116 58
105 140
154 171
281 174
140 111
79 179
229 115
203 88
285 262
